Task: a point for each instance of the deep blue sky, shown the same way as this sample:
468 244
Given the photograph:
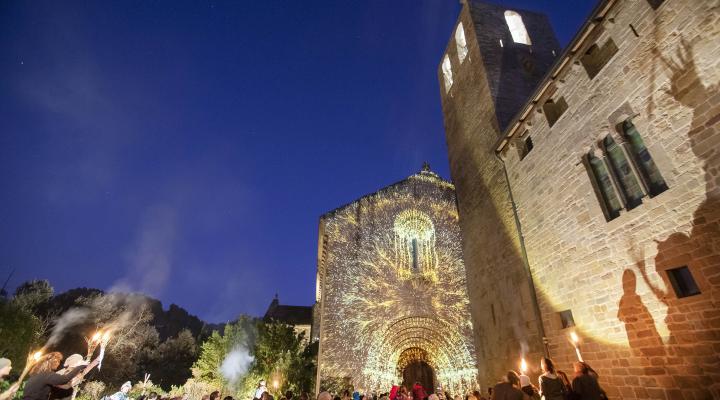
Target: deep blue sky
187 148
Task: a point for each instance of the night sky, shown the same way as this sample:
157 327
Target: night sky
186 149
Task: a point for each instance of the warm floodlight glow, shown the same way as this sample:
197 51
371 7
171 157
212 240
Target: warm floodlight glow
517 28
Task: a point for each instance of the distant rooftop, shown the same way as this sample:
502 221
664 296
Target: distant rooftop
291 315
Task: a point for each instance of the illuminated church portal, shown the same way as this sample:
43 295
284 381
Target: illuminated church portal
392 302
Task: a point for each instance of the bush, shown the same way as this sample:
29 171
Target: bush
93 390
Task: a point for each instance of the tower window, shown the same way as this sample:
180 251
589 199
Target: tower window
683 282
447 73
596 57
553 110
517 27
461 43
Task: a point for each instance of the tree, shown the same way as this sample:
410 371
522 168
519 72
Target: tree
281 356
132 338
214 350
30 295
20 332
171 361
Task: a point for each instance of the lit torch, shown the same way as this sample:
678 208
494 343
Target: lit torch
92 344
576 343
32 359
523 366
105 338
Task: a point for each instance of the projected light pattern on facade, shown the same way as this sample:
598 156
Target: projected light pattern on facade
392 288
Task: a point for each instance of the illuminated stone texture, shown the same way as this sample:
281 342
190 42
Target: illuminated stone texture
392 289
645 340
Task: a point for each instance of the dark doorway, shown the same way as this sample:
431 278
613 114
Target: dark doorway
419 371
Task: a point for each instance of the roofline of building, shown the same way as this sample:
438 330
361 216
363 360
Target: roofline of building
565 60
387 189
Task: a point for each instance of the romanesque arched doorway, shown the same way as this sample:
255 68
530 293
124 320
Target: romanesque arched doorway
414 365
419 371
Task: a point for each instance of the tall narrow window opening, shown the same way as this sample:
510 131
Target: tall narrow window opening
447 73
649 172
517 28
622 170
414 255
461 43
609 201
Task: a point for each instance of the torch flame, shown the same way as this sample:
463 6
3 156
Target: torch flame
523 366
37 355
96 336
106 336
574 337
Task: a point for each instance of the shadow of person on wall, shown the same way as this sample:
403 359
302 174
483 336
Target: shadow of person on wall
691 359
643 336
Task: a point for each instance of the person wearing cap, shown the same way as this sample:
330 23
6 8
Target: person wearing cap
65 392
123 393
5 367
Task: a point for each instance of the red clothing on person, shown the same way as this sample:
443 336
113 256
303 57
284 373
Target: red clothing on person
419 392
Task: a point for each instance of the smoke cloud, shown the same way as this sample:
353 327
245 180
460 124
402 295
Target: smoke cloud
67 320
236 364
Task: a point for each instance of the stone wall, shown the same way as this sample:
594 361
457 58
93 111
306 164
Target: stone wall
502 307
644 341
611 275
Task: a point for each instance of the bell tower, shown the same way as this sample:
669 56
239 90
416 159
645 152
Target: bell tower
492 65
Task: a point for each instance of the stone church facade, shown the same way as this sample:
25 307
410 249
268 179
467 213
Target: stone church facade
588 186
392 301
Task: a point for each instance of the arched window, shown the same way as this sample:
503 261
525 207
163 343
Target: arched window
628 183
517 28
461 43
447 73
610 204
649 172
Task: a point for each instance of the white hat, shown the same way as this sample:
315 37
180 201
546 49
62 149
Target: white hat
73 361
126 384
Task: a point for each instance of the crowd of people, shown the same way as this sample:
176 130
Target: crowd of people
552 384
47 382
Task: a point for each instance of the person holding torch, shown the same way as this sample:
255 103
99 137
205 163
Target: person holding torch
43 376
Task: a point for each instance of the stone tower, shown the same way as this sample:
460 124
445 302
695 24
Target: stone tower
493 62
392 293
